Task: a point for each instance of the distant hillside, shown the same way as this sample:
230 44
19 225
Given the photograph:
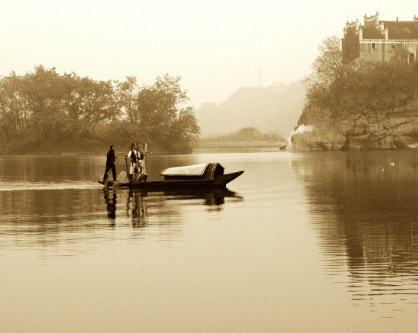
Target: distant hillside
274 108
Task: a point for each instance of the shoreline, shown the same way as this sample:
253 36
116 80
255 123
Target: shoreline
201 146
238 144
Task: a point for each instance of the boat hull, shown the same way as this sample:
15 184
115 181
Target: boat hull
218 182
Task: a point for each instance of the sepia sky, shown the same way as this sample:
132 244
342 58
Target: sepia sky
215 46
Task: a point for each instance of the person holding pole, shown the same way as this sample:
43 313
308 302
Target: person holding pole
110 164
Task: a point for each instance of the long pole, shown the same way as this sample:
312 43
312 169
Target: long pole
127 168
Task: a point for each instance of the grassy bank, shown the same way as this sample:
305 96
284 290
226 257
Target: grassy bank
206 144
247 137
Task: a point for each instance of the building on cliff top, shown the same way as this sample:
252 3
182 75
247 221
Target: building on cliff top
379 40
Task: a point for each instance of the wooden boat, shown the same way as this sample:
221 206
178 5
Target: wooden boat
201 176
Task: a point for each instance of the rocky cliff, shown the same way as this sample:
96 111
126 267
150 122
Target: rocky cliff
317 130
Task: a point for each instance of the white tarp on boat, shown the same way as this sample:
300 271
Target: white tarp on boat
191 170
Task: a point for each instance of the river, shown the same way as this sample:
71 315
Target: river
313 242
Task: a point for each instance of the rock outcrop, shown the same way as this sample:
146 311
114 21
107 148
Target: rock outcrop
318 131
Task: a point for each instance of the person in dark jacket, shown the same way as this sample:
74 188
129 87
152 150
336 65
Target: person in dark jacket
110 163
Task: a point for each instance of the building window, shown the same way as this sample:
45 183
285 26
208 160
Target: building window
373 46
393 46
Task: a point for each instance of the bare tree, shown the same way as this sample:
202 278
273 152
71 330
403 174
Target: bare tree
327 67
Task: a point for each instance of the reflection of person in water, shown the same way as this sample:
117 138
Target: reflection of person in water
110 198
139 206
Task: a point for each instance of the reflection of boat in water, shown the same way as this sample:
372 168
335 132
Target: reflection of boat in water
201 176
212 197
137 200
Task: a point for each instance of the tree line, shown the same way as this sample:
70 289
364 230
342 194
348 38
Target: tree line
43 110
359 87
245 134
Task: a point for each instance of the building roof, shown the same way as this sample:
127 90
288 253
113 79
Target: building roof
372 33
396 30
402 29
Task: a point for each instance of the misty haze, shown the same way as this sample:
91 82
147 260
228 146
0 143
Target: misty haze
274 108
224 166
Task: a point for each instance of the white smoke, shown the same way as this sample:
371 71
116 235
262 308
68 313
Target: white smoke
301 129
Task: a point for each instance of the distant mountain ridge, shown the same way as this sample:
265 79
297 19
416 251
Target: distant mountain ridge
274 108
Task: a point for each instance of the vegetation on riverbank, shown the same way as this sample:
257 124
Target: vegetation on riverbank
45 112
358 106
246 137
359 88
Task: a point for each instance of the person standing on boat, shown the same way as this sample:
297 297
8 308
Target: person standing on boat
134 156
142 171
110 163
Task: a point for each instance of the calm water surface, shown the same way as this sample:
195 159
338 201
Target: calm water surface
321 242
